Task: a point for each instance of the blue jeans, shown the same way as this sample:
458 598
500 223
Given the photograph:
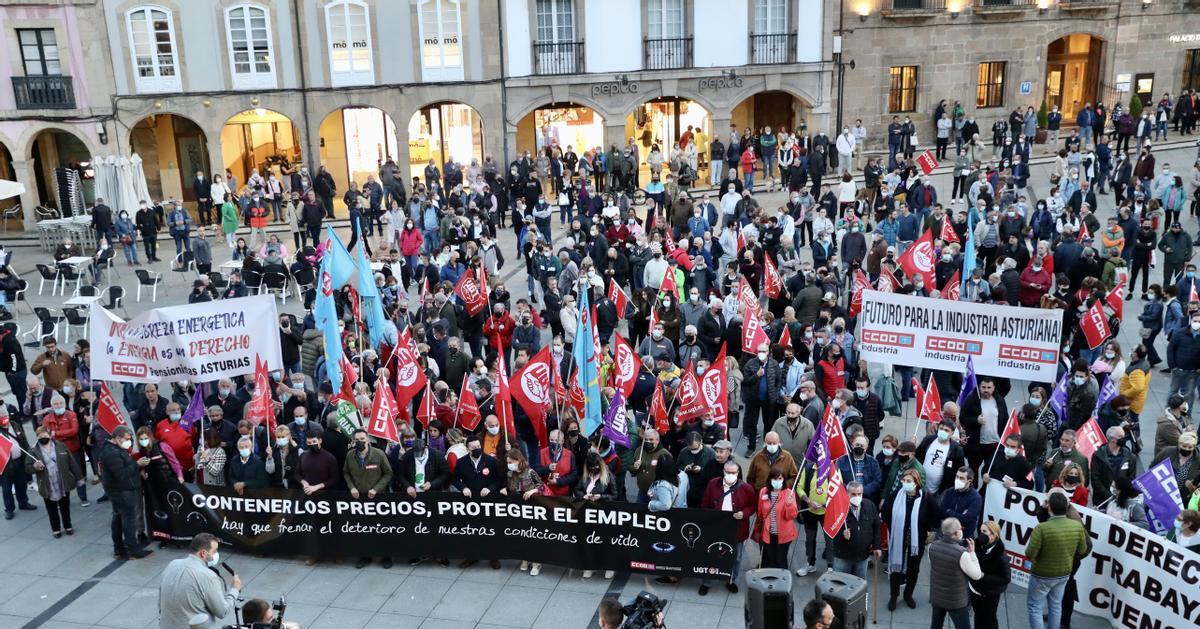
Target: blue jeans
1161 128
1040 591
847 566
769 162
961 617
131 253
433 240
748 180
565 213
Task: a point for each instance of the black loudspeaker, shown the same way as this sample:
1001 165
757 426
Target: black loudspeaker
769 599
847 595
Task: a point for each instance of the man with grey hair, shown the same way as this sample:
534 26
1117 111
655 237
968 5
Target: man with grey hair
730 493
122 481
860 538
952 565
1109 462
191 587
246 470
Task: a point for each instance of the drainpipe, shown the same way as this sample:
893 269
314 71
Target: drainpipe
310 160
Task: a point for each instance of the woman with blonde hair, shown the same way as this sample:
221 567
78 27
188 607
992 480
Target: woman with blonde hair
993 562
523 481
283 459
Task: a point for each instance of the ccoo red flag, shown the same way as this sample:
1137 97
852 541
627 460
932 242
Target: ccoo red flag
948 234
503 398
785 337
837 505
835 439
617 295
689 401
384 410
753 334
918 259
1095 326
626 365
108 412
746 296
535 391
931 403
658 409
1089 438
861 283
887 282
772 282
1116 299
471 292
466 414
953 288
927 162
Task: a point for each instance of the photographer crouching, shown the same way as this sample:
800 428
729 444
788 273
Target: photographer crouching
645 612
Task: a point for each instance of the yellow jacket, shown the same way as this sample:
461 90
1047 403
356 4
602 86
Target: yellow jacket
1134 386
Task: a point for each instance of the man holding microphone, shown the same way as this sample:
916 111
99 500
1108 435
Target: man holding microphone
191 588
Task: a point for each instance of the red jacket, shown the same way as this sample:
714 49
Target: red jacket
742 501
1030 296
832 376
786 511
64 429
565 468
180 441
410 242
501 329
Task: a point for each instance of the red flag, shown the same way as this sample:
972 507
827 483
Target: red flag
6 448
653 316
258 409
625 362
534 391
931 403
689 400
753 334
467 413
383 413
410 378
772 282
1116 298
714 385
1095 326
785 337
1012 427
861 283
741 242
425 412
658 409
918 259
618 297
668 283
919 392
747 297
887 282
948 234
108 412
349 378
953 288
1193 295
576 398
1089 438
927 162
834 437
471 292
504 409
1084 233
837 505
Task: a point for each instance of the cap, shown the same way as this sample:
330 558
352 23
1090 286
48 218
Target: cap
724 444
1175 225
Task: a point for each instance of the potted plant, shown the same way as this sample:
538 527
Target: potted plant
1135 106
1043 122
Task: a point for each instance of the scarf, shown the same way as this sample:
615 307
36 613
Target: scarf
900 514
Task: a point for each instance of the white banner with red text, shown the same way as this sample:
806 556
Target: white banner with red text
201 342
1133 577
1004 341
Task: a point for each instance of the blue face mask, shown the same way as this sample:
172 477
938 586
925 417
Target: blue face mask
301 420
245 452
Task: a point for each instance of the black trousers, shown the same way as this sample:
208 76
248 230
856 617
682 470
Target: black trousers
1143 266
985 611
59 512
774 554
908 578
151 246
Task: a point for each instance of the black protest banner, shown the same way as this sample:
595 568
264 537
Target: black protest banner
552 530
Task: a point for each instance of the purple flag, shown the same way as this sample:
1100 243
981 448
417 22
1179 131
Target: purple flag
616 428
195 409
1108 391
818 453
970 384
1161 494
1058 399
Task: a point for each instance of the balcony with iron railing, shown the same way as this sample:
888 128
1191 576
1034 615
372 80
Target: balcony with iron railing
43 92
914 6
1003 6
551 58
769 48
668 54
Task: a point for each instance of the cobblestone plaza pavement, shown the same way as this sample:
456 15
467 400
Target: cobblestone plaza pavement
74 581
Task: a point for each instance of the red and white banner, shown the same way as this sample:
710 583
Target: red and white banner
618 297
953 288
747 297
931 403
927 162
1094 324
772 282
503 399
473 294
1089 438
108 412
835 439
919 259
466 414
658 409
410 378
535 390
1116 299
837 505
689 400
625 363
425 412
714 384
384 409
948 234
753 333
861 283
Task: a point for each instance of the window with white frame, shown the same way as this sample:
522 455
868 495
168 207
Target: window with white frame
555 51
770 17
348 24
152 48
252 65
664 19
441 40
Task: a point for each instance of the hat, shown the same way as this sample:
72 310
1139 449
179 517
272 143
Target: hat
828 295
724 444
1175 225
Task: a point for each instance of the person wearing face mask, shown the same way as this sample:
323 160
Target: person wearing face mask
367 473
1186 530
1183 461
122 482
245 469
1171 424
728 492
775 526
556 465
1064 455
63 425
911 514
479 475
56 472
693 459
953 565
1009 466
940 455
192 586
960 500
649 455
905 460
14 481
1071 480
861 536
282 460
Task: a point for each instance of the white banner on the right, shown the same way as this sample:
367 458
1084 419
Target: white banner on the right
1004 341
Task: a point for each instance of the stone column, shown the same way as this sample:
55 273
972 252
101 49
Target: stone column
23 173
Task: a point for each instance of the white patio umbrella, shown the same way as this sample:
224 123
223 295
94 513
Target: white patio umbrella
141 191
127 191
9 189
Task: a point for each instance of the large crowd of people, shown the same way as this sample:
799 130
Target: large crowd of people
673 259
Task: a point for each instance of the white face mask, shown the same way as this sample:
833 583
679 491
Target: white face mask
145 442
512 467
731 479
127 444
762 356
960 484
493 430
856 501
772 448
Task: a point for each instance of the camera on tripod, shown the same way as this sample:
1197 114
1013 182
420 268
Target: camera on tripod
257 610
643 612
